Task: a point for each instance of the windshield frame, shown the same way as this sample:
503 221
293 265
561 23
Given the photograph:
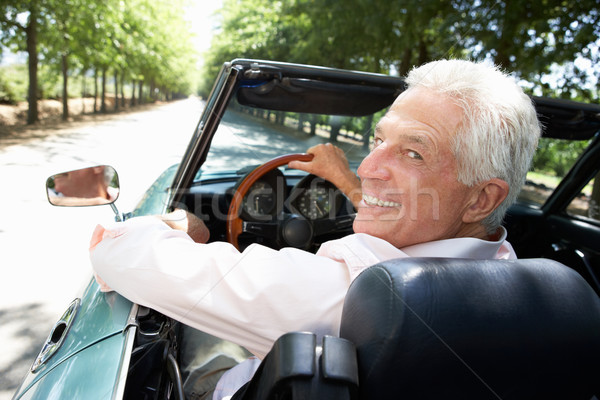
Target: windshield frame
242 72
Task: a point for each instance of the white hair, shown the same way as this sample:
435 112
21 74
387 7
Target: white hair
109 174
500 129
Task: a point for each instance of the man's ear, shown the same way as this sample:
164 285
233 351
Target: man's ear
487 196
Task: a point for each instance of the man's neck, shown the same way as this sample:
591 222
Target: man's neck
478 231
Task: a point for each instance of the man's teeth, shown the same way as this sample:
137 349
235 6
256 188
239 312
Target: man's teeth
374 201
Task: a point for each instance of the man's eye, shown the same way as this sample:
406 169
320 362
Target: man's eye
414 155
377 142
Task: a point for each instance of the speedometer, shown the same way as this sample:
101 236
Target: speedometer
314 203
260 200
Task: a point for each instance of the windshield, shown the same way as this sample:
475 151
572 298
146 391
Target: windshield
250 136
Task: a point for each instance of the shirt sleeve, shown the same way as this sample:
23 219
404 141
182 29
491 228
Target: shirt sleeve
249 298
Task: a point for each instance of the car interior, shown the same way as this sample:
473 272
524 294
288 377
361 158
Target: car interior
514 329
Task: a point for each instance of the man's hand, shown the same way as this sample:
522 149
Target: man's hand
330 163
188 223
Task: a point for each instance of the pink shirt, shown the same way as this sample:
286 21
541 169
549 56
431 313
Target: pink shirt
253 297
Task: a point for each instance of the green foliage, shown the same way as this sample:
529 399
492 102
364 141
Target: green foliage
142 40
13 84
532 39
7 96
537 41
555 157
49 82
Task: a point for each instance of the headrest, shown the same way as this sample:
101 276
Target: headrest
430 328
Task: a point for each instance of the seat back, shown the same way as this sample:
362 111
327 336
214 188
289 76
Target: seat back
430 328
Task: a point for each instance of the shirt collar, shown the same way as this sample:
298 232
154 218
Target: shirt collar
465 247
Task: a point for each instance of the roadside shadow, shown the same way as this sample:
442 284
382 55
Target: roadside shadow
21 132
23 330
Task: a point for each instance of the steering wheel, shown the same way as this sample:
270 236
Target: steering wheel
290 229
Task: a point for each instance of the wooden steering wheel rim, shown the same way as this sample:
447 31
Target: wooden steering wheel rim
234 222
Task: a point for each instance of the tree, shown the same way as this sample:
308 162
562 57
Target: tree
141 41
530 38
19 23
59 42
378 35
382 36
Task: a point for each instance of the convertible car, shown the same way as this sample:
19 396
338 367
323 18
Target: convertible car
519 329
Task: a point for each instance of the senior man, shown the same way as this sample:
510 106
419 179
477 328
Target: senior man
449 158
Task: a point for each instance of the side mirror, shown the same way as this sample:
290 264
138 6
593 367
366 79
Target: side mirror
84 187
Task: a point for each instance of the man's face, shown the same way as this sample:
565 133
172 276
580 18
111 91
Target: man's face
409 180
78 183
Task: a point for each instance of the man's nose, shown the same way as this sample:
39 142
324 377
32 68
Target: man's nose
376 165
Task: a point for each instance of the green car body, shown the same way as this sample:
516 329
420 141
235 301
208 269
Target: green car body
98 341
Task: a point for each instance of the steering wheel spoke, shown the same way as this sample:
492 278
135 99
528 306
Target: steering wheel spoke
340 223
265 229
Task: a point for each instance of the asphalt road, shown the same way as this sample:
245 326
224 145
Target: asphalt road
43 249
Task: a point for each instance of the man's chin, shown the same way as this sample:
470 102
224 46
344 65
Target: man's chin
370 227
380 215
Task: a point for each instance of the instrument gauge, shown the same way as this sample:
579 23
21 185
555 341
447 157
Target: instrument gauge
314 203
260 200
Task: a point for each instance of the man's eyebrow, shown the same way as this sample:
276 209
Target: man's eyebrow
423 141
418 139
412 138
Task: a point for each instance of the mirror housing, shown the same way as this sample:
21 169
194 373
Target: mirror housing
90 186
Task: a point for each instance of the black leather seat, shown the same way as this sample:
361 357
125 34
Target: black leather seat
432 328
471 329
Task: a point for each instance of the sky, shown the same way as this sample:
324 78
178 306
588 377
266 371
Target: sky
201 15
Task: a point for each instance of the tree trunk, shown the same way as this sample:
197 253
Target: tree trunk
152 91
103 98
32 93
65 94
83 91
141 86
301 122
116 91
95 90
405 63
423 53
505 42
313 125
335 122
123 89
333 134
133 93
594 207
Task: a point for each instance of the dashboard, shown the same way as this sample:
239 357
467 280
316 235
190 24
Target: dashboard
271 200
311 197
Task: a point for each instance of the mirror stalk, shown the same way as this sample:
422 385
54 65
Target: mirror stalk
118 216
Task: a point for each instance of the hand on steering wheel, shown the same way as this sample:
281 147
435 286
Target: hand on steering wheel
294 230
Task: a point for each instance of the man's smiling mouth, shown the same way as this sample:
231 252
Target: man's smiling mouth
374 201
